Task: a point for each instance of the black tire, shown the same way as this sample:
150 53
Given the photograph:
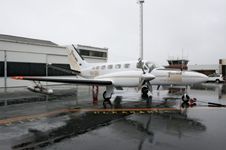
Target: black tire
144 90
107 102
104 96
185 98
217 81
184 105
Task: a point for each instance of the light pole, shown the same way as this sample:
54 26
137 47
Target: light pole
140 2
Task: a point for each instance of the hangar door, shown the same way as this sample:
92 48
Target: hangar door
224 70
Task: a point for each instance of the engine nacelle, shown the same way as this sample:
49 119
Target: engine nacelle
38 89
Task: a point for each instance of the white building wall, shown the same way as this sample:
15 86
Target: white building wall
1 82
204 67
94 60
25 52
1 55
25 57
223 61
21 52
51 58
18 52
11 46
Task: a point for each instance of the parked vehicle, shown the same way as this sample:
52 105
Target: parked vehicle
215 77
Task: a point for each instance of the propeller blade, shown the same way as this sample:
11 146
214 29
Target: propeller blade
158 87
140 65
149 87
141 83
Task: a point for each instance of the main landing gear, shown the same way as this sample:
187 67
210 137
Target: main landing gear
106 100
185 98
145 90
187 101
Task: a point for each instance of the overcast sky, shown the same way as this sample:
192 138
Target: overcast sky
196 26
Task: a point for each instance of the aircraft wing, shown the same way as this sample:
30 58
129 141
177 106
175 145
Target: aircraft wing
67 80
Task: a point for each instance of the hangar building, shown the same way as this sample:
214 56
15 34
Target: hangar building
29 57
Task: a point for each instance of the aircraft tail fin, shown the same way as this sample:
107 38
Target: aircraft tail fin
76 61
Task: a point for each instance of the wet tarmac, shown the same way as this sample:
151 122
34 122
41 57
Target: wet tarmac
69 120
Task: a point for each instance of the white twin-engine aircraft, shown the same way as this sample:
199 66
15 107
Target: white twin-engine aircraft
139 74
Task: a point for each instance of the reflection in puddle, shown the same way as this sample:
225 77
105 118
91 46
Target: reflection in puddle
212 89
154 129
74 126
140 126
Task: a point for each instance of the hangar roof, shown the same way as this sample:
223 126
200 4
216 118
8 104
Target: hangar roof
18 39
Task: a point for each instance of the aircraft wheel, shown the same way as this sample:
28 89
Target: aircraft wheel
184 105
104 96
144 96
217 81
144 90
107 102
185 98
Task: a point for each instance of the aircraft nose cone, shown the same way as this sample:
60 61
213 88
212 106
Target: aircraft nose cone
203 77
148 76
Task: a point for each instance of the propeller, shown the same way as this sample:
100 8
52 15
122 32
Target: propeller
141 83
145 77
140 64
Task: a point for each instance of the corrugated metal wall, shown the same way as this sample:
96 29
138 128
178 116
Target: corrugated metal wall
25 56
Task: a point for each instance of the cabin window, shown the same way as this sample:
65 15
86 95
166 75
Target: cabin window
118 66
110 66
126 65
103 67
